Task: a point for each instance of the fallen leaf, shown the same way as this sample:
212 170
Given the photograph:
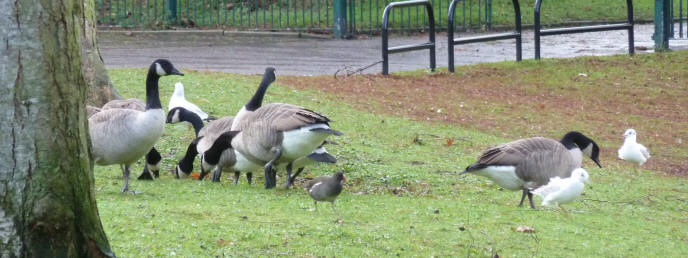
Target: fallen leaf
525 229
450 142
221 242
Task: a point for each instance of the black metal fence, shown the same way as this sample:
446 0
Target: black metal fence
363 16
680 14
430 45
628 25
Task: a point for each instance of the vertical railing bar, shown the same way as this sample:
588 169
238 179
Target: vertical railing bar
303 13
279 11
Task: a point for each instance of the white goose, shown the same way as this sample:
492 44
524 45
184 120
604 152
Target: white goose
122 136
178 100
633 151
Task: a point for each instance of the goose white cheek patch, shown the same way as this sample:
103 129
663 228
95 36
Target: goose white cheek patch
159 70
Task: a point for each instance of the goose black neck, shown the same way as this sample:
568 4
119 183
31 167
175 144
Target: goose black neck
212 155
192 118
152 94
257 99
574 140
186 164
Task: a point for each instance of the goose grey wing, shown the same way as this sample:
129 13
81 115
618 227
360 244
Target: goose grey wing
132 103
284 117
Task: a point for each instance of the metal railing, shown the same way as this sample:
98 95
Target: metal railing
516 34
430 45
628 25
682 18
362 16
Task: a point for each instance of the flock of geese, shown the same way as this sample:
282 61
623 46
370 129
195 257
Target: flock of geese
279 136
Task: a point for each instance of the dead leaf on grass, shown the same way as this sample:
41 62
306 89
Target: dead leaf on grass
450 142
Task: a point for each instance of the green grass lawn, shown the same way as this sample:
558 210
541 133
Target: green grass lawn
403 196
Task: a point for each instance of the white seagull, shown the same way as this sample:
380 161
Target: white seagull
178 100
633 151
559 191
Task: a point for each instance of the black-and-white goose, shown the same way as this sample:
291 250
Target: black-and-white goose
122 136
529 163
280 133
256 101
221 156
153 158
180 114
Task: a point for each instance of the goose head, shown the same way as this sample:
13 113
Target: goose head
585 144
164 67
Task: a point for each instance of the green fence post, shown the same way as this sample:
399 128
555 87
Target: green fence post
172 7
340 25
663 22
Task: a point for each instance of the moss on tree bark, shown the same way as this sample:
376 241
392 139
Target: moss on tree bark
47 203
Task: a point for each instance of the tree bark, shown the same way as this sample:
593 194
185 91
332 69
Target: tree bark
47 201
100 88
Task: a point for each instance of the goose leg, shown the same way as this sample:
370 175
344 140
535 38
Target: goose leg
270 173
203 174
530 199
523 197
125 173
287 184
249 177
292 178
217 174
236 177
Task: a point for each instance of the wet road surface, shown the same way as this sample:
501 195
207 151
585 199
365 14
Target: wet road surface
247 53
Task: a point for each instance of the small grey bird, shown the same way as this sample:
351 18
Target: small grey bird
326 188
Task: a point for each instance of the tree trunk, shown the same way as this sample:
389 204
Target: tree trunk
99 87
47 201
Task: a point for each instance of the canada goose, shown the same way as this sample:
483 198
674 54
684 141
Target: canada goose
122 136
179 114
256 101
206 138
221 155
153 158
559 191
280 133
529 163
633 151
326 188
178 100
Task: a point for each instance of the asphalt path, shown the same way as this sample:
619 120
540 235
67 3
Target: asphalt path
250 53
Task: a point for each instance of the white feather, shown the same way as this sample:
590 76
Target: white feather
302 141
504 176
178 100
